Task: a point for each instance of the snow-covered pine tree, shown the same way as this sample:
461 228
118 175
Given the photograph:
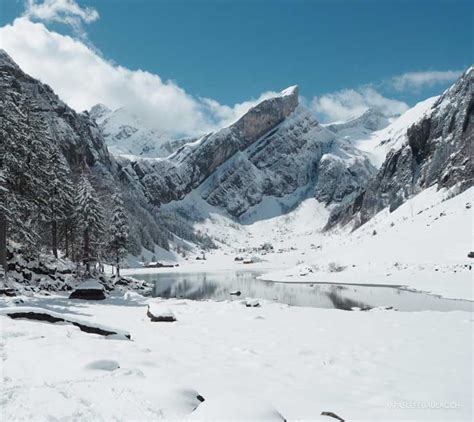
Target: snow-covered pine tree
18 158
118 232
90 217
60 195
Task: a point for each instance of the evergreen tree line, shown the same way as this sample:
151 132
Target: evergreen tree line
45 206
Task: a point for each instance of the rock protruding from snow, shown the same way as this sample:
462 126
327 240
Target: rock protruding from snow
41 314
252 303
89 290
160 313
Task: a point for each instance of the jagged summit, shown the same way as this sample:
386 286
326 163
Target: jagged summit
291 90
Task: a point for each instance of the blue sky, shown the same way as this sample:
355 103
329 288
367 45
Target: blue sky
231 51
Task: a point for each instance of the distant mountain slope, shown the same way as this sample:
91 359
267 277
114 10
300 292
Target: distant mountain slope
126 134
436 150
362 126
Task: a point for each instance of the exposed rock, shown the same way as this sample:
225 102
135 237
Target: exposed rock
160 313
438 152
252 303
89 290
40 314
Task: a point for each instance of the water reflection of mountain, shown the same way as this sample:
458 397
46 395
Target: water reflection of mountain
217 286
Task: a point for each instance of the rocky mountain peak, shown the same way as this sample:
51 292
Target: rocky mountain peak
267 114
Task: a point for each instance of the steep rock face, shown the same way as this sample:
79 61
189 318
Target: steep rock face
438 151
173 178
298 153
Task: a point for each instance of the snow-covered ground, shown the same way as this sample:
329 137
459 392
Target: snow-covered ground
272 361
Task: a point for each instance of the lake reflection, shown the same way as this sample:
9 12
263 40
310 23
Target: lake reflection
219 285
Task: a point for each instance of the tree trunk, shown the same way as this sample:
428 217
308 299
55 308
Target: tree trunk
54 227
87 251
66 241
3 242
118 267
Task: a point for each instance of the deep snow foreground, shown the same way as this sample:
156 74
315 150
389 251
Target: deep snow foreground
270 362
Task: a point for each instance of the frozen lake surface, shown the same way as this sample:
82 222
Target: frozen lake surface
219 286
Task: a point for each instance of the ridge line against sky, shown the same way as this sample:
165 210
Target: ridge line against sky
67 59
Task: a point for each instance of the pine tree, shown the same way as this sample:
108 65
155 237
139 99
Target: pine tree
90 216
60 195
118 232
21 186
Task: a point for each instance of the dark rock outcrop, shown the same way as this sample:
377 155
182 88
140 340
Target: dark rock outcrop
438 152
89 290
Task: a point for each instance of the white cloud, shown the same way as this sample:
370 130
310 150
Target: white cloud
82 78
63 11
349 103
417 80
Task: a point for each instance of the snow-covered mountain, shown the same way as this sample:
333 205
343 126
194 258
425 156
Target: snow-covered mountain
429 145
127 134
273 158
276 148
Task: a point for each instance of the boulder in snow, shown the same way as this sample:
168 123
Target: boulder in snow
89 290
159 313
252 303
